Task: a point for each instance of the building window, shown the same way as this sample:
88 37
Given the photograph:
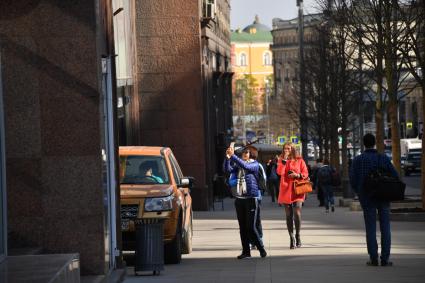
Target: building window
242 59
267 59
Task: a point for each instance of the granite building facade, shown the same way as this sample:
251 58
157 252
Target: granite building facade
181 92
59 156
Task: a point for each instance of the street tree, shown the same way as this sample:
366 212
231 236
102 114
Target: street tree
251 93
345 78
333 96
413 18
365 30
380 35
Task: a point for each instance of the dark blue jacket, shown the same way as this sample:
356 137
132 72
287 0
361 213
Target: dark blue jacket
251 173
365 163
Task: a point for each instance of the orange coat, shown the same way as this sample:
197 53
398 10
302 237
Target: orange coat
286 191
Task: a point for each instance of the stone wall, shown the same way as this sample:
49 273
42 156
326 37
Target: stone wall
50 66
169 84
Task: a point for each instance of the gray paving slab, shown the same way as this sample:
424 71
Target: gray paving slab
334 250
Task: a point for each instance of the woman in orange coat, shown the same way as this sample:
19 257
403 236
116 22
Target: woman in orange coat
291 166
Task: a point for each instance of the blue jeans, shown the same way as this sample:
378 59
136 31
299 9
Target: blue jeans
328 196
369 213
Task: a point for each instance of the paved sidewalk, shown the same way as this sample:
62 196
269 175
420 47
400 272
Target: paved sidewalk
334 250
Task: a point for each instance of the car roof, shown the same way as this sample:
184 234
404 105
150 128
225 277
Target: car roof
142 150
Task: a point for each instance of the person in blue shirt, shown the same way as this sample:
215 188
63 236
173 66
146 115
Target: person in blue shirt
367 162
146 172
247 193
324 180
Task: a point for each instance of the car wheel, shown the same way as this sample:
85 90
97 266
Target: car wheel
173 250
187 241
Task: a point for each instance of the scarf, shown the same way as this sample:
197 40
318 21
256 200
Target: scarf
241 185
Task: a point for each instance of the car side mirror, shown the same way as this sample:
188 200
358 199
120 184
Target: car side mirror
187 181
184 182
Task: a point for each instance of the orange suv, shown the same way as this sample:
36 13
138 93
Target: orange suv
152 186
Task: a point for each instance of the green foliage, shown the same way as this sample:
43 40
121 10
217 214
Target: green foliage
270 79
247 86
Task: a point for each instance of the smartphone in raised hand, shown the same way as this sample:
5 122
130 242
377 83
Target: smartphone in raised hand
232 145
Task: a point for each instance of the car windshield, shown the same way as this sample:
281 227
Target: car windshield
139 169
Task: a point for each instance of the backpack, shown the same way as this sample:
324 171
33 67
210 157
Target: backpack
262 179
233 180
324 175
380 185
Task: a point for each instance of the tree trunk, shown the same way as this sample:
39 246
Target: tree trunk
379 113
395 133
326 146
334 158
333 128
379 120
344 148
423 145
390 43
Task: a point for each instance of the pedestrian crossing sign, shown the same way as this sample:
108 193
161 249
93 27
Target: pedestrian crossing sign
281 140
295 140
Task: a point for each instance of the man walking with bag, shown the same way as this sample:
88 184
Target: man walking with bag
324 180
369 161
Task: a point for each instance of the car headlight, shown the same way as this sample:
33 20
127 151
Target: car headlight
159 204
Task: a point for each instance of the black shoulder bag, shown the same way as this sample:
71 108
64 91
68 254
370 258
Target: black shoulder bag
381 185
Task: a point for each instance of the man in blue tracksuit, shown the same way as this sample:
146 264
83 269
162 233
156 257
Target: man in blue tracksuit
370 160
246 203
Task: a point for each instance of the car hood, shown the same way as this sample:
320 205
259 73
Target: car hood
145 191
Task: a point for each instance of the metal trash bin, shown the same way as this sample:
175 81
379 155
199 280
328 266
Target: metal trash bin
149 254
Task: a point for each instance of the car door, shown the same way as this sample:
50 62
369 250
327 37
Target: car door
187 201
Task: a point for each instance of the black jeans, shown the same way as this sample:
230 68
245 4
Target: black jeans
258 221
247 213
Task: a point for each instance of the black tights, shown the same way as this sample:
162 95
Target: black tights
293 215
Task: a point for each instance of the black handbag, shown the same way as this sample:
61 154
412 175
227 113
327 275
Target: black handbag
381 185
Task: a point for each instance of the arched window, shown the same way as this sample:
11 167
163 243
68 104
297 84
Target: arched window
242 59
267 59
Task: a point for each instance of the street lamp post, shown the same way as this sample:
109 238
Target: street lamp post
267 111
303 114
361 104
243 118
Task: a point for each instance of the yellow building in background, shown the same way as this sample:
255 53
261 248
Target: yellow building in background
252 82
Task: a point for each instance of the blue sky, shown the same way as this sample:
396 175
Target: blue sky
244 11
